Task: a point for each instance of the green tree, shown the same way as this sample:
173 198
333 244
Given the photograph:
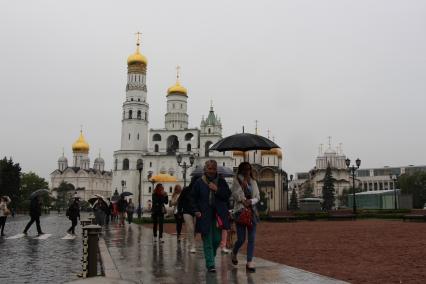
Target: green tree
293 200
328 190
64 192
31 182
414 184
10 181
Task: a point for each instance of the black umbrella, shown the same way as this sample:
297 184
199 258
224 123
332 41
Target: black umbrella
244 142
223 171
126 193
38 192
94 199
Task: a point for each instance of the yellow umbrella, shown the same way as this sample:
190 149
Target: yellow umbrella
163 178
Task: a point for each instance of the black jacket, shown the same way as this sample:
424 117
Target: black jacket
73 211
185 201
35 208
122 205
158 202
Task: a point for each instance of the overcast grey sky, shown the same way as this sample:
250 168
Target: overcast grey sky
354 70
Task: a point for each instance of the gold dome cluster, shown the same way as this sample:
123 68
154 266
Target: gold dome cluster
80 146
273 152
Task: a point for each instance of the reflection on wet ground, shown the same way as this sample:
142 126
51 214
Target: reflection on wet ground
27 260
140 260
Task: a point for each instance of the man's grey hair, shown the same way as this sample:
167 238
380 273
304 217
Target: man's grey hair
210 163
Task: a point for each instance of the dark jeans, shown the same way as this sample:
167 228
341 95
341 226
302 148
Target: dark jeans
2 224
179 222
34 219
130 216
73 224
241 238
158 219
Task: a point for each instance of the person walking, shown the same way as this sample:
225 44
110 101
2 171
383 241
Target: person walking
210 196
108 212
178 215
122 207
4 212
159 200
35 213
185 208
100 208
130 211
73 213
245 193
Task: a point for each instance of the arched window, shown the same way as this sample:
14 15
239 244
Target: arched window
139 116
209 131
130 114
156 148
172 144
188 148
189 136
156 137
207 147
125 164
115 164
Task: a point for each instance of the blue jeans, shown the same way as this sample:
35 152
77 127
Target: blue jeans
241 238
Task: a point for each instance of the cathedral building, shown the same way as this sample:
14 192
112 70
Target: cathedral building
156 148
84 180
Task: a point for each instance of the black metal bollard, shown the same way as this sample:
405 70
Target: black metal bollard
92 232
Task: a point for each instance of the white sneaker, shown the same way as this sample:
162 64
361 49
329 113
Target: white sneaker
225 250
193 250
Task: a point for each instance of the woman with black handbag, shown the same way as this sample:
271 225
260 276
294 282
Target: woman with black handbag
245 193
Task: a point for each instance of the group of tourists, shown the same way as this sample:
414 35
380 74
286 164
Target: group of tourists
106 211
205 208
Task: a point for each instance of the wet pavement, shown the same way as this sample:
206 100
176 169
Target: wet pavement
139 260
30 260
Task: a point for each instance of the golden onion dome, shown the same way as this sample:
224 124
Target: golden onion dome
80 145
137 58
177 88
238 153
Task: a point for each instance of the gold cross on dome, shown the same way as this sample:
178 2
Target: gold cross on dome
269 133
255 130
138 39
177 72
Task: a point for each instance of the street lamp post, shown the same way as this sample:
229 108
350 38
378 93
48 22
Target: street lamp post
123 184
395 179
139 166
184 165
352 169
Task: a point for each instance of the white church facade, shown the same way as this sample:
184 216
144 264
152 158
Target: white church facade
85 181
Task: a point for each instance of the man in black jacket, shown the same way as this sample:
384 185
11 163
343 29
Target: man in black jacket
73 213
35 213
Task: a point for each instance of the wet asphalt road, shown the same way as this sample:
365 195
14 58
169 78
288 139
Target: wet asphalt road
27 260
